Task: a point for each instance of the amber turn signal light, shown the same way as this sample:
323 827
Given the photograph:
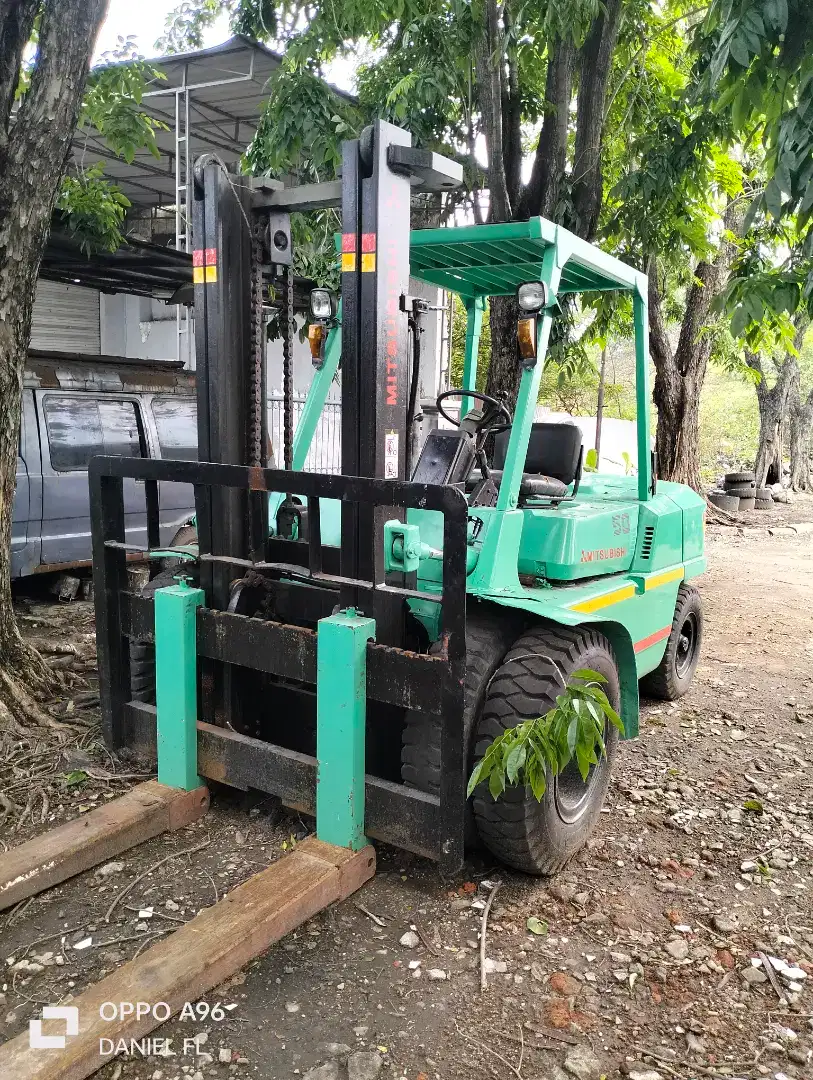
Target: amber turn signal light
316 339
526 338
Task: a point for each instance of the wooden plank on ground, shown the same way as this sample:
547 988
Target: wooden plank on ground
195 959
143 812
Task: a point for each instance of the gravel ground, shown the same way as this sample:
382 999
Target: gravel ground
678 944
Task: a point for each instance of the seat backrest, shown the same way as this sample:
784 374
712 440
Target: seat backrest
553 450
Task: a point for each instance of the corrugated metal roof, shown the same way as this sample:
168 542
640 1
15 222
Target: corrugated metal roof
228 88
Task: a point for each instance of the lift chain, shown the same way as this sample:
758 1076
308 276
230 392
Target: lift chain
256 450
288 331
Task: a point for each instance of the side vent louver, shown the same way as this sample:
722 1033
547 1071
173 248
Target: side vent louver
646 542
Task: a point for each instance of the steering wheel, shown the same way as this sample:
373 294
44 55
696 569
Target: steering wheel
495 410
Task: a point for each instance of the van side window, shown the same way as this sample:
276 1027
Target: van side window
80 428
177 422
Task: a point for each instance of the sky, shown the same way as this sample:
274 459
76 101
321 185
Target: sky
145 19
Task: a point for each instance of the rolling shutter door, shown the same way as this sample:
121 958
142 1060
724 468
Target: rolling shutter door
66 319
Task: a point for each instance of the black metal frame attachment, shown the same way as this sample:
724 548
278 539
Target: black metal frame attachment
431 825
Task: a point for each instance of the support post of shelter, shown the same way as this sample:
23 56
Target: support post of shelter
176 685
341 710
640 311
475 306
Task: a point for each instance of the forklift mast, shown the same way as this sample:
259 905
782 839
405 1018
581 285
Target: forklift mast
242 237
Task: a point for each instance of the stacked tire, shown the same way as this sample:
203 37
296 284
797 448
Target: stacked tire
740 494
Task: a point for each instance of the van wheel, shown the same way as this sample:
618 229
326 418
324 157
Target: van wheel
540 837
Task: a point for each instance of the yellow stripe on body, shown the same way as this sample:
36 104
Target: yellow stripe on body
595 603
663 579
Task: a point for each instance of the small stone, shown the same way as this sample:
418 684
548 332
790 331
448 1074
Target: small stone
170 905
644 1074
753 976
582 1063
437 975
202 1038
495 966
678 948
734 815
239 837
224 1056
409 940
292 1006
563 984
328 1071
724 924
337 1049
363 1065
110 868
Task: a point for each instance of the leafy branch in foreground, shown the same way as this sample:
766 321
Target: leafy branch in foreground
573 728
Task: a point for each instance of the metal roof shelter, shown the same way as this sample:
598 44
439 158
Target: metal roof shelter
217 95
210 101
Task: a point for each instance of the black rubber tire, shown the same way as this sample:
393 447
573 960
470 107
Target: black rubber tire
763 504
142 653
525 834
744 477
763 494
746 504
729 503
743 491
489 635
670 681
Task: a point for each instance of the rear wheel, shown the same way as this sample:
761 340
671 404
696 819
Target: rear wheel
673 676
540 837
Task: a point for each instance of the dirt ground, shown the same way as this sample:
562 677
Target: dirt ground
651 957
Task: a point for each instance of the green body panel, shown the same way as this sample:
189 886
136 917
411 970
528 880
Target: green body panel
612 557
341 710
176 685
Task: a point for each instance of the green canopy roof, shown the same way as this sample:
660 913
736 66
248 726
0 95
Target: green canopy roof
492 260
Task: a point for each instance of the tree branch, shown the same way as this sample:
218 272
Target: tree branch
512 116
659 348
542 191
16 26
595 64
489 61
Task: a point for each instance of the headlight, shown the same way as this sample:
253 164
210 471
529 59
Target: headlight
532 297
323 305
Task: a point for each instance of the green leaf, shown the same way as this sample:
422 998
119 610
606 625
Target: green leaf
72 779
537 926
754 805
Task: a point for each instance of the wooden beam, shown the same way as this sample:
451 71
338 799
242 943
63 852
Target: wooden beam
56 855
195 959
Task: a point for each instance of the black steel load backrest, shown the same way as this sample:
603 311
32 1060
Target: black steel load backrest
554 450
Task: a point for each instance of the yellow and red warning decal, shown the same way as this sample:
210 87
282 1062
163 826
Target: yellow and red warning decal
368 252
348 252
204 265
349 248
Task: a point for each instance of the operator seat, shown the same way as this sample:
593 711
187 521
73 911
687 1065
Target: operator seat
553 461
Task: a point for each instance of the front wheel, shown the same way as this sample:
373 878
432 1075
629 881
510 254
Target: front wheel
673 676
540 837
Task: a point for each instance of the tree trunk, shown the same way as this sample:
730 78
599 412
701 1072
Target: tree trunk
504 370
773 403
595 63
679 373
800 423
34 145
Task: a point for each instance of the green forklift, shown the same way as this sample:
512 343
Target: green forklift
353 643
